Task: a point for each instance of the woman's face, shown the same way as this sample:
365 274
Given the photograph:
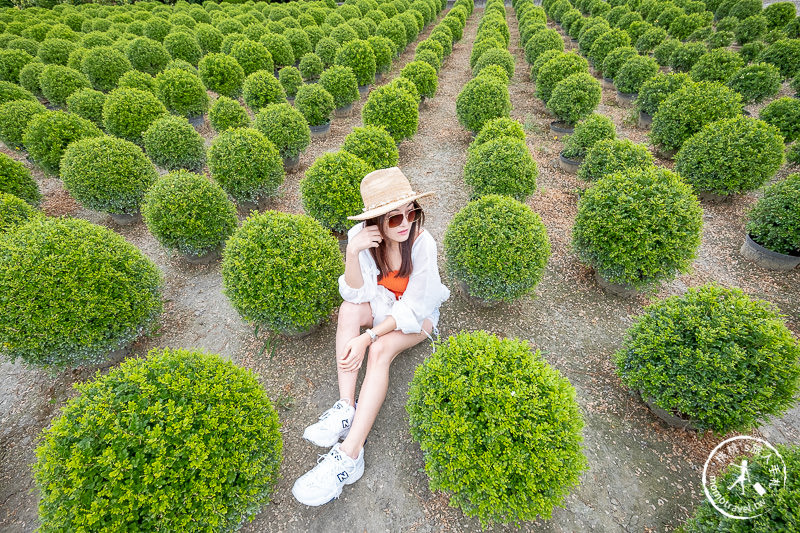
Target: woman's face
402 232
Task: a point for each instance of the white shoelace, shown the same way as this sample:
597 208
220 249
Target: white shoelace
327 468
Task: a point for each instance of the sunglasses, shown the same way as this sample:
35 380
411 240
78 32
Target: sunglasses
396 220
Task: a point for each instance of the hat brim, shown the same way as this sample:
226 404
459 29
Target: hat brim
382 210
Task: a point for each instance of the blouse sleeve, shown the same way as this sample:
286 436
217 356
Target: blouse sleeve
369 288
424 292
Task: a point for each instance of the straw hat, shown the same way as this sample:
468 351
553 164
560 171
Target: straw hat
383 190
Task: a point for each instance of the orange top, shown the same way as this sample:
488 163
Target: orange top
394 284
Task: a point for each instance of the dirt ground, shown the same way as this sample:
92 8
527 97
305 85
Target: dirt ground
643 476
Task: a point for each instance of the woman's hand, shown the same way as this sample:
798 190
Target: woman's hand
353 353
368 237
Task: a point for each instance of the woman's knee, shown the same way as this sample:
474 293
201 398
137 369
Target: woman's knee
358 313
380 354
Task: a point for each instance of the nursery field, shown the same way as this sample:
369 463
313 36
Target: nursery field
642 474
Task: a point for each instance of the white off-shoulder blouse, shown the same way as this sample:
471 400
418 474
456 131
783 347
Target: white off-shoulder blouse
422 297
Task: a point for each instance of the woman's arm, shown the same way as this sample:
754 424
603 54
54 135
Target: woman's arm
368 237
356 348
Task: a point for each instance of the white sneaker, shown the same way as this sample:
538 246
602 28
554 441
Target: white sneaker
324 482
334 424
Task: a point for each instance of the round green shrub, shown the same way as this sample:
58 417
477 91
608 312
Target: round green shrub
442 35
183 45
121 411
81 292
784 114
107 174
634 72
14 211
341 83
208 37
657 89
148 55
784 54
359 57
557 69
135 79
615 59
717 65
686 111
285 127
181 92
58 83
779 14
394 109
246 164
16 180
227 113
663 52
103 66
756 82
156 28
495 56
127 113
172 143
29 46
344 33
327 49
222 74
49 133
291 80
686 55
642 237
280 270
774 221
383 50
310 66
575 97
484 444
373 145
541 42
489 226
261 88
498 128
189 213
650 39
587 133
424 77
298 39
501 166
590 34
751 51
723 360
279 48
614 155
14 119
750 29
480 100
330 189
252 56
608 41
29 77
731 156
720 39
542 60
11 64
87 103
315 103
55 51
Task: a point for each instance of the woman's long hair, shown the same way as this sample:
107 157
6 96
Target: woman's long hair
379 252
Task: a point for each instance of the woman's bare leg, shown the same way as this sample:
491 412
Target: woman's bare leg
376 382
351 318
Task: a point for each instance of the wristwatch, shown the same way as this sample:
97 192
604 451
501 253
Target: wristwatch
372 335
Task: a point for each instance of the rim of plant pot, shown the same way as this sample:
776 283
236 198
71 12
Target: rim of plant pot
559 127
321 131
204 259
766 258
311 81
672 419
570 166
626 99
480 302
126 219
197 120
746 113
645 119
422 102
290 99
363 90
608 83
344 111
666 154
378 77
618 289
291 163
712 197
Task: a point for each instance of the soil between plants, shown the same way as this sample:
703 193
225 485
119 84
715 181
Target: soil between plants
643 476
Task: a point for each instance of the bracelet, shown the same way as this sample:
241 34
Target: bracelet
372 335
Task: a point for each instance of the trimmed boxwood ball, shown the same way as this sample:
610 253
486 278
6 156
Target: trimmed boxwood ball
14 119
587 133
498 128
614 155
607 42
686 111
443 36
657 89
721 39
330 189
495 56
327 49
285 127
542 60
135 79
55 51
501 166
222 74
280 270
315 103
11 64
359 57
171 142
784 114
394 109
227 113
557 69
731 156
208 37
246 164
279 48
650 39
16 179
750 29
424 77
686 55
615 59
383 49
29 77
81 292
725 361
252 56
478 406
542 41
642 237
14 211
341 83
634 72
107 174
182 92
291 80
183 45
148 55
310 66
717 65
405 84
49 133
262 88
774 221
784 54
480 100
87 103
373 145
103 66
189 213
756 82
58 82
575 97
498 247
127 113
112 423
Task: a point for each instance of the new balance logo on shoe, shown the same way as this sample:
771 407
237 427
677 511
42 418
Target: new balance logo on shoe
345 424
341 476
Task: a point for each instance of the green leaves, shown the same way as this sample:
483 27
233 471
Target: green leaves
394 109
774 222
246 164
330 189
480 100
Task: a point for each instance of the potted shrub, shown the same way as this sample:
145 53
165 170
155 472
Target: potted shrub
183 94
316 105
135 79
261 89
14 119
148 55
374 145
542 60
773 227
227 113
686 55
717 65
327 49
16 180
784 54
310 67
29 77
614 155
252 56
663 52
587 133
287 129
127 113
383 49
280 271
394 109
55 51
359 57
291 80
686 111
632 74
424 77
650 39
58 82
682 372
495 56
613 62
189 213
108 293
87 103
496 248
171 142
784 114
730 156
531 472
480 100
607 42
49 133
573 98
222 74
341 83
246 164
103 66
542 41
298 39
720 39
109 414
643 237
656 90
498 128
12 62
15 211
555 70
501 166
